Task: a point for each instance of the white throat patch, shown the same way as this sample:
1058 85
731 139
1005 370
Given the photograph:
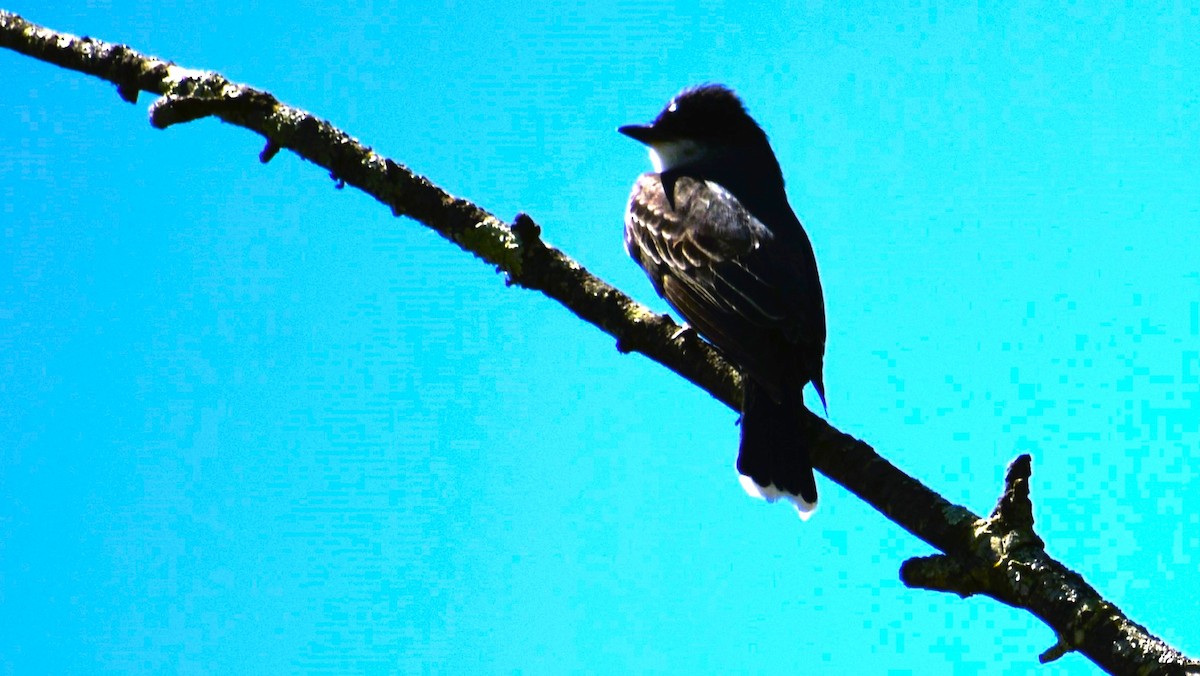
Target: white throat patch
673 154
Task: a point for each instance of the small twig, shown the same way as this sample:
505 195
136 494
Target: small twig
1055 651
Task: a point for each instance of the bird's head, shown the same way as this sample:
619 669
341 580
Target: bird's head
699 124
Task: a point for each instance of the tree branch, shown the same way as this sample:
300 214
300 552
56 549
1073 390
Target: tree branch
999 556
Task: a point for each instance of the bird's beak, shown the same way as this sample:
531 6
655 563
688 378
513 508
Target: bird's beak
642 133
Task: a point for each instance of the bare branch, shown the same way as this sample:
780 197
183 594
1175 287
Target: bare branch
999 556
1007 561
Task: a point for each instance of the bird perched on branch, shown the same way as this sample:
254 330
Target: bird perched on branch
713 230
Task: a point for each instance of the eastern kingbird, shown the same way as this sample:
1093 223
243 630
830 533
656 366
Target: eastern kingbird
713 230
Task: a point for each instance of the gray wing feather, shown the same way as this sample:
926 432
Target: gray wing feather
725 272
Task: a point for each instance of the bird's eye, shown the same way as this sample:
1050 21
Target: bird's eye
673 107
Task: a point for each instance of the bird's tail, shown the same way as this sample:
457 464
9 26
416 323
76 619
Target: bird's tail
773 457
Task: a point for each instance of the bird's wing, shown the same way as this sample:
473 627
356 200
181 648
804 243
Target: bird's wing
728 275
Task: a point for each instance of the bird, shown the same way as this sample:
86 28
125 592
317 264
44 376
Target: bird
714 231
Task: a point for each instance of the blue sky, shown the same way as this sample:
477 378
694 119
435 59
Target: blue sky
250 423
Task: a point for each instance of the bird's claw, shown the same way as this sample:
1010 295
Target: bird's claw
680 331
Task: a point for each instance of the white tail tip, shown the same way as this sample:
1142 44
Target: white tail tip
770 493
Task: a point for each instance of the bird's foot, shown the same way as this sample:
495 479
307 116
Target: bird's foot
681 331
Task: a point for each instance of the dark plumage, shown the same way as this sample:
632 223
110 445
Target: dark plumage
715 234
